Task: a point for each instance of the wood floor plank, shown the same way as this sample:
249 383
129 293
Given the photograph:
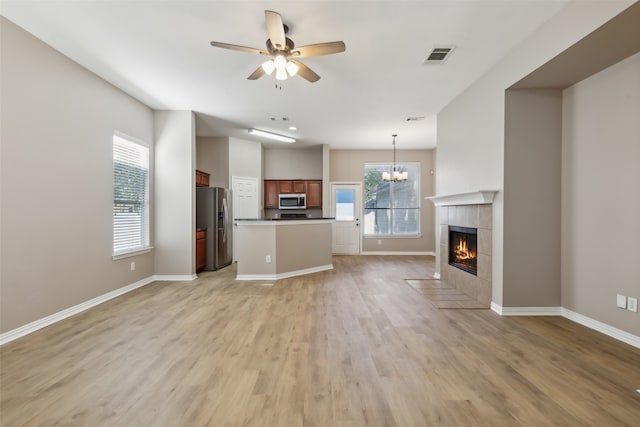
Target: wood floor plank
355 346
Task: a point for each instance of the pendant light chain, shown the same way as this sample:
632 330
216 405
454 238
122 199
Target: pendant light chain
394 152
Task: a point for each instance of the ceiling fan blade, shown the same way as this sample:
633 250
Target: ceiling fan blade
240 48
306 72
275 29
259 72
318 49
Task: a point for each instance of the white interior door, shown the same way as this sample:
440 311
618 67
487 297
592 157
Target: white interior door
345 207
245 202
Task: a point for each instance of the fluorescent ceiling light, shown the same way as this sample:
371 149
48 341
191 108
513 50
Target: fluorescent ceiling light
270 135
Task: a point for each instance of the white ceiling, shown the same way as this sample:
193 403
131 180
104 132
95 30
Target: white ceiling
159 52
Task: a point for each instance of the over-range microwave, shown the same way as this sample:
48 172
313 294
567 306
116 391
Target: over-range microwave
292 201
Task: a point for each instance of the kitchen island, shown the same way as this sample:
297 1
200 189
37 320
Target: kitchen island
272 249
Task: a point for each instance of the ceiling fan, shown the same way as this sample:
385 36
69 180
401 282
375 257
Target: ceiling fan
284 52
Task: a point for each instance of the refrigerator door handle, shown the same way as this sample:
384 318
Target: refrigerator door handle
224 219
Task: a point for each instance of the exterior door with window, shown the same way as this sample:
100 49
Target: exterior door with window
345 208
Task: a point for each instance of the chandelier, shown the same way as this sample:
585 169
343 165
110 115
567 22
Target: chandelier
397 175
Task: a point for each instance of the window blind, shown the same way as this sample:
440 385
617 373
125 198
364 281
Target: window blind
130 196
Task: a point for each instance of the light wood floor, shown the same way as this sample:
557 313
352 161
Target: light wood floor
355 346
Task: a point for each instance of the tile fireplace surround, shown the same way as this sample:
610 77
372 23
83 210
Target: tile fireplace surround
472 210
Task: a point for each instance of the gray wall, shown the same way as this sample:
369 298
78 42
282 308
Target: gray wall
57 185
592 168
348 165
293 163
245 159
532 147
600 194
175 194
212 157
471 129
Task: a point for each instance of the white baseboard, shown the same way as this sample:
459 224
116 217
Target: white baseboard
526 311
596 325
56 317
602 327
175 277
284 275
397 253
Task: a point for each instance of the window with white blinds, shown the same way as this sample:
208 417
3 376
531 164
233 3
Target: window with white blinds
130 195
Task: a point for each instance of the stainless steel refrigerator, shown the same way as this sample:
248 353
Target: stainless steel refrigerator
213 213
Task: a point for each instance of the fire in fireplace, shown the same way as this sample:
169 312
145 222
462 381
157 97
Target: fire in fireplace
463 243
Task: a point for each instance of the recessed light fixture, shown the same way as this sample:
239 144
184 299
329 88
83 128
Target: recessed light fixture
270 135
293 128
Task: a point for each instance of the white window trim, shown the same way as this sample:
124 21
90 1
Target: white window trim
130 254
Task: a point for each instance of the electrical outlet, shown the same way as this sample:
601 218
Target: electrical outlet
267 259
379 241
632 304
621 301
133 266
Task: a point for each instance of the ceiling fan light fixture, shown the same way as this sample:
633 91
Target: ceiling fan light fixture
292 68
281 48
280 62
268 67
281 74
273 136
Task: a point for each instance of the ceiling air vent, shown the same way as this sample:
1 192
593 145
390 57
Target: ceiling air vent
438 55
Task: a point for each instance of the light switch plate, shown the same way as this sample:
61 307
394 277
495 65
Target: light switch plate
632 304
621 301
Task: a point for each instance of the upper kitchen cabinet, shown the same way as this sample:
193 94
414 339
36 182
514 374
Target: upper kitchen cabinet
202 179
273 187
291 187
271 191
314 194
299 187
284 187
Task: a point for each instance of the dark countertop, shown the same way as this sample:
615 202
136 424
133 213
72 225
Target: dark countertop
283 219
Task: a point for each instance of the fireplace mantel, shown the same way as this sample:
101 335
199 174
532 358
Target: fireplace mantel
480 197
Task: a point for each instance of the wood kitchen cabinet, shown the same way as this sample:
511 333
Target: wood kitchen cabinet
299 187
202 179
284 187
201 250
271 191
314 194
273 187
